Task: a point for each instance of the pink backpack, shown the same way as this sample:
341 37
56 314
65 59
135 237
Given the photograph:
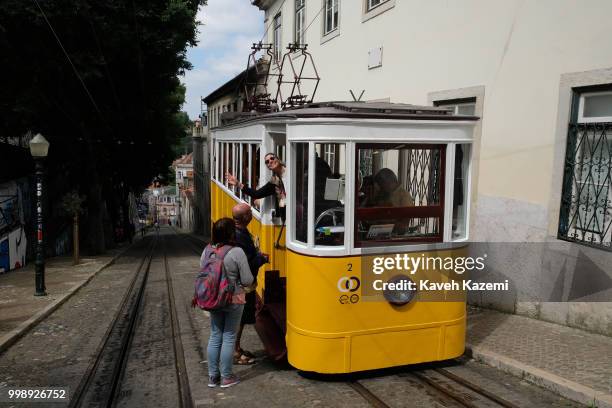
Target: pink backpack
213 289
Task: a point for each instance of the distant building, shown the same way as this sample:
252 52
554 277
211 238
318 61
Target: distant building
231 98
163 205
201 176
222 105
183 168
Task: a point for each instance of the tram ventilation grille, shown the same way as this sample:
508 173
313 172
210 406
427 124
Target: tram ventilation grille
387 107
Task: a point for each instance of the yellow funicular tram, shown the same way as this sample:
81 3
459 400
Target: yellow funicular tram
363 180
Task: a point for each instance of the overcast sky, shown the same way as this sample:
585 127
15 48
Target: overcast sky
228 29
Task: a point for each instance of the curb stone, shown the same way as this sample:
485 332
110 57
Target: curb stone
561 386
11 337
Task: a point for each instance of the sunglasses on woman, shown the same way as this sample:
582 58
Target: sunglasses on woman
270 160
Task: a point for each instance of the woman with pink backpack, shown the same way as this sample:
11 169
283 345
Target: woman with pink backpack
234 273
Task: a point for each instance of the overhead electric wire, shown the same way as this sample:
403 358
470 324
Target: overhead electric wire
139 49
313 19
76 72
306 29
106 70
107 73
271 22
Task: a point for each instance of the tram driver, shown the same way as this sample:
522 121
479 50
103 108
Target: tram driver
384 190
367 193
390 192
274 187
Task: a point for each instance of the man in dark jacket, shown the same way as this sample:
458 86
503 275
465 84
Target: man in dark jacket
242 217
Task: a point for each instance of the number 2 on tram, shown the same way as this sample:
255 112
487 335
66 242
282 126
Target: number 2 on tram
363 181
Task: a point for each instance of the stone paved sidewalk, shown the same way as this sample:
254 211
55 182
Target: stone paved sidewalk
571 362
20 309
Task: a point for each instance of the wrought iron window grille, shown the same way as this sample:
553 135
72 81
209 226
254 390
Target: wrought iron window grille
586 201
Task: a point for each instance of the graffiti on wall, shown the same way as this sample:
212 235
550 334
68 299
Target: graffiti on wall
14 200
9 212
13 250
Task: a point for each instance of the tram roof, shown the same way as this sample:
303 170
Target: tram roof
362 110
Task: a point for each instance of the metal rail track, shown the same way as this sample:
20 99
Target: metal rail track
456 395
479 390
99 383
181 370
368 395
195 243
441 388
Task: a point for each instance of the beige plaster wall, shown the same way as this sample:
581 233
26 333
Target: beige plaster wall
520 58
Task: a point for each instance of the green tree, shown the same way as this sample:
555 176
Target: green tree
100 79
185 144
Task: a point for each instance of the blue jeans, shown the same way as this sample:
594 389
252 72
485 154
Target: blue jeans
223 327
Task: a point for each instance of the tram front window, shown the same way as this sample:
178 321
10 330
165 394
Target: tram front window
330 172
398 195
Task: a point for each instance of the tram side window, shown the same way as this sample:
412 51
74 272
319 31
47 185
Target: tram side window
217 161
399 193
220 162
224 165
244 171
301 192
330 174
460 193
230 160
255 171
223 162
235 166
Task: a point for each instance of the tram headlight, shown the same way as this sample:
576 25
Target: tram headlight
404 290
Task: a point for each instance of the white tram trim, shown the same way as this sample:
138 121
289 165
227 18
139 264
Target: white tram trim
350 132
272 125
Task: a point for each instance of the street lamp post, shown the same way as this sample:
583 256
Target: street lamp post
156 195
39 147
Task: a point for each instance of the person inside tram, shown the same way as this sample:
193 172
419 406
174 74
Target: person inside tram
274 187
224 322
390 192
241 213
367 193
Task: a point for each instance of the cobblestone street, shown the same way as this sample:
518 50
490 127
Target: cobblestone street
58 351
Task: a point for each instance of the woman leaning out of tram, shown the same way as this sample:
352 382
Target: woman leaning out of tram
273 187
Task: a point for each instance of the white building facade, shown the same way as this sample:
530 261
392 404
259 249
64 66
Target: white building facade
539 75
184 184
